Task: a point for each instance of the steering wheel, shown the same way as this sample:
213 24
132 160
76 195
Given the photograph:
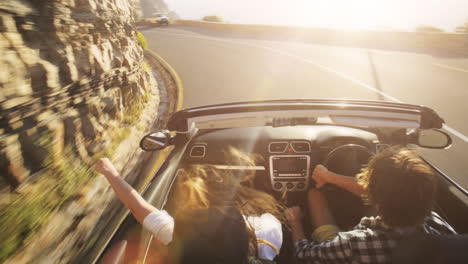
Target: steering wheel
357 149
348 147
348 208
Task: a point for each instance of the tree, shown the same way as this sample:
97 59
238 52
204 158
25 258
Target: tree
430 29
463 29
213 19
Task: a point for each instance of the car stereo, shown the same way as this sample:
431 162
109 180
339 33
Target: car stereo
289 172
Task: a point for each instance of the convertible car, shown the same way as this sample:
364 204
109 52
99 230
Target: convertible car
292 137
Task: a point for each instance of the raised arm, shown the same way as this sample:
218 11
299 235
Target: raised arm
322 176
126 194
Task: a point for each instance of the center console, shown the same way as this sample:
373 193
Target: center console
289 172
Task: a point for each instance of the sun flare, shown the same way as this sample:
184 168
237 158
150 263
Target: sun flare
360 14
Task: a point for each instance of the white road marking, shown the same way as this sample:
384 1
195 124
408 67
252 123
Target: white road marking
342 75
450 67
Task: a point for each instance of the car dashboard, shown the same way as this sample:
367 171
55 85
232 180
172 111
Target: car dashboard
288 155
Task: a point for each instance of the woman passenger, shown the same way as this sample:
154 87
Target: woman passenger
206 199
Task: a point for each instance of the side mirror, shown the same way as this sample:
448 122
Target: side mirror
433 138
156 141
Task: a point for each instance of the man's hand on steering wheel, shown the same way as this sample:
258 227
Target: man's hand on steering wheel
320 176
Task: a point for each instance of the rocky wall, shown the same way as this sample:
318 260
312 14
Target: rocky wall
73 85
69 67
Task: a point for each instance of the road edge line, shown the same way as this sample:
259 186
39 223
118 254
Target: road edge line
173 72
450 67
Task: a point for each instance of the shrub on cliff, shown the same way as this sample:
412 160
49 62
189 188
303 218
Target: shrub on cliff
141 40
213 19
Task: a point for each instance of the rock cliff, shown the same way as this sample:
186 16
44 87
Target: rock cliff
76 61
72 86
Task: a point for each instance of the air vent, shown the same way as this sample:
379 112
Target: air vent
198 151
277 147
301 147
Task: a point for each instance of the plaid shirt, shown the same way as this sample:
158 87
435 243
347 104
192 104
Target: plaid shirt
371 241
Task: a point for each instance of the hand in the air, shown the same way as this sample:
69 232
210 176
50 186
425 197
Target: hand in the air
320 176
105 167
293 215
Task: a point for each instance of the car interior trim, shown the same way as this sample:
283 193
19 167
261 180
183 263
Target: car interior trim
192 155
300 142
278 142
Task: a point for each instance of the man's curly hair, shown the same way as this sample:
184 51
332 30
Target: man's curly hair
402 186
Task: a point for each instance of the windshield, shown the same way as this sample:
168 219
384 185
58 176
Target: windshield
296 118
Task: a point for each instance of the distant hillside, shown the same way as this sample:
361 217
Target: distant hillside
137 12
150 7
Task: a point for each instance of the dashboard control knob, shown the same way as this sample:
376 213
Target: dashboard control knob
289 185
278 185
301 185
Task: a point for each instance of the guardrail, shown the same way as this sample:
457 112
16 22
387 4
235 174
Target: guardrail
456 44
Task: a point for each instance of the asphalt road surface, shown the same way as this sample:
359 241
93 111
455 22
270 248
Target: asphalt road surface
219 68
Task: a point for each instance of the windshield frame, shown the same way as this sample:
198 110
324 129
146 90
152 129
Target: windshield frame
426 117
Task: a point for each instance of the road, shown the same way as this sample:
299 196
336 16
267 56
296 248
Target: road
219 68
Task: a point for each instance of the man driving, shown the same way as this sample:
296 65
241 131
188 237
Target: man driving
398 183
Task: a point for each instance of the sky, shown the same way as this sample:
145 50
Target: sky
351 14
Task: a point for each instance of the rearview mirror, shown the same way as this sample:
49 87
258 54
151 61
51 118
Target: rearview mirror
433 138
156 141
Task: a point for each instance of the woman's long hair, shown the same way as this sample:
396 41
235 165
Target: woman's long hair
210 236
205 186
229 193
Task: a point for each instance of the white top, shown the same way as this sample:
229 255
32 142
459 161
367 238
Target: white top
161 224
267 228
